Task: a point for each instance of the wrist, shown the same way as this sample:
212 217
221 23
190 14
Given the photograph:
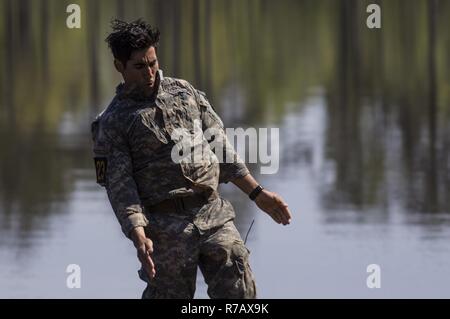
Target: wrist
138 235
255 192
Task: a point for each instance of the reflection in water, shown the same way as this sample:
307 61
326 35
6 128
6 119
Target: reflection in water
369 111
37 178
366 111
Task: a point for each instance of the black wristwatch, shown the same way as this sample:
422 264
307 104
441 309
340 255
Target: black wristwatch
255 192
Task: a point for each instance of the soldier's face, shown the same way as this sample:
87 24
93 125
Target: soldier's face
141 69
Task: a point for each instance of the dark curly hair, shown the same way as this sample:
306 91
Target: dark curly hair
127 37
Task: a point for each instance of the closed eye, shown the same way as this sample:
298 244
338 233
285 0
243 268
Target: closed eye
139 65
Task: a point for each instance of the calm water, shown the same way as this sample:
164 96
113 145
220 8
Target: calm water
364 142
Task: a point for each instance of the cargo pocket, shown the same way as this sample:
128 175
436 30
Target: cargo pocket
245 282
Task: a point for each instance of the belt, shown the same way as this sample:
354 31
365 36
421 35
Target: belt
181 203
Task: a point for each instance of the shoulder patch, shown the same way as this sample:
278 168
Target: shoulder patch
100 169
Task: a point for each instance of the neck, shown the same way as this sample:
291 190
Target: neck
148 92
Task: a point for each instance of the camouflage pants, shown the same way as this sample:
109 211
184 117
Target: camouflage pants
179 248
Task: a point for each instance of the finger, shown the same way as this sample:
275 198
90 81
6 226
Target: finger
148 264
283 210
281 217
149 247
285 216
288 214
274 214
151 267
141 253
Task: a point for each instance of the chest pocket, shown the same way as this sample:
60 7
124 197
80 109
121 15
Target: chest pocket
148 131
182 108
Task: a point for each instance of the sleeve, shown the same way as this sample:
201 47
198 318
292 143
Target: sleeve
231 165
114 172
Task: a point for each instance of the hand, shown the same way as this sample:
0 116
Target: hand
144 247
274 206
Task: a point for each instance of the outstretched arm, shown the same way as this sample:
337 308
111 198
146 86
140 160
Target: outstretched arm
236 170
267 201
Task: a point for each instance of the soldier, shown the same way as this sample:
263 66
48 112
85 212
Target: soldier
171 209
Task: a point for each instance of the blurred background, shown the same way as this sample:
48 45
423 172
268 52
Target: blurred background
364 120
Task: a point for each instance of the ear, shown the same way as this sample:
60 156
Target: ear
119 66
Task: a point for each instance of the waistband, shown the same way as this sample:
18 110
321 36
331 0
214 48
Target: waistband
181 204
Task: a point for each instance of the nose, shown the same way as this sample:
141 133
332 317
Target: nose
150 72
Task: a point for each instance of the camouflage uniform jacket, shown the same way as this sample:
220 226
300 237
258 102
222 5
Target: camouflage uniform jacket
134 138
